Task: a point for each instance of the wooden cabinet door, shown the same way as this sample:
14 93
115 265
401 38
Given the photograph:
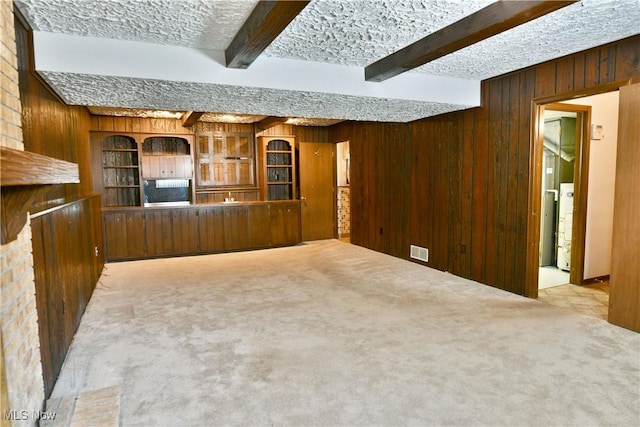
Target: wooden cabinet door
167 167
259 221
185 231
211 228
225 158
277 225
235 227
151 167
123 235
159 232
285 224
182 167
292 229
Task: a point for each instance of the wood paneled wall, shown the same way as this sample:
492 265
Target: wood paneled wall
137 125
66 220
51 128
66 272
458 183
381 182
301 133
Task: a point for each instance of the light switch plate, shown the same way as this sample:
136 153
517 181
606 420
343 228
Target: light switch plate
597 131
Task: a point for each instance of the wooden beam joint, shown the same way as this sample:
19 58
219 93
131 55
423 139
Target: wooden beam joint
269 122
190 118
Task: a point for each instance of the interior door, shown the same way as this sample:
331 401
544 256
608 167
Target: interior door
624 296
317 190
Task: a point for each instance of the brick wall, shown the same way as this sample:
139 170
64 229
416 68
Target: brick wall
344 211
20 342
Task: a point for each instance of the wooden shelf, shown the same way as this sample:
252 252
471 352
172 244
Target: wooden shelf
23 175
26 168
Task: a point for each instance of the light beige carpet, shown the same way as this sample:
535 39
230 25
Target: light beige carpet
328 333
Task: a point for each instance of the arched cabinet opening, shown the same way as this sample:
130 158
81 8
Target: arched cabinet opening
278 169
167 171
120 171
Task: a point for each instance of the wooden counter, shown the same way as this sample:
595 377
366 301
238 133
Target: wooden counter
136 232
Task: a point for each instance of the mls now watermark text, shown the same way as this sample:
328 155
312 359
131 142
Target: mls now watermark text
14 415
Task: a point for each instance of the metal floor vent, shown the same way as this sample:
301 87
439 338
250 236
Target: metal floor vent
420 253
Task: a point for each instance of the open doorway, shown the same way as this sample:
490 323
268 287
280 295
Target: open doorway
582 244
561 136
563 149
343 194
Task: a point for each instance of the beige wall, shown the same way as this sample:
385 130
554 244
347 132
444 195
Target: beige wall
602 175
20 342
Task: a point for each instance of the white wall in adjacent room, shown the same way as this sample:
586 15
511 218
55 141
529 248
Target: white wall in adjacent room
602 174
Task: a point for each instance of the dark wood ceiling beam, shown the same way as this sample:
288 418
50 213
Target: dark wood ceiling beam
487 22
190 118
269 122
267 20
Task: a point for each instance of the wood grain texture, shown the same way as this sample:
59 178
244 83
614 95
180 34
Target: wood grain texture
138 125
26 168
317 190
381 179
191 117
464 176
137 233
51 128
65 273
269 122
13 209
267 20
65 218
487 22
624 297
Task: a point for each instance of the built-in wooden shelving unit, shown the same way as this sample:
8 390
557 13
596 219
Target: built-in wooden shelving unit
278 168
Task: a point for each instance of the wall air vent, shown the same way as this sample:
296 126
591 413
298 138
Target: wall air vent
419 253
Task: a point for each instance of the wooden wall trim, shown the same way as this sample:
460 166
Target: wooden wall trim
139 125
63 206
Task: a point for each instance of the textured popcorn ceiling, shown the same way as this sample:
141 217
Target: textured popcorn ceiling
82 89
344 32
206 24
359 32
583 25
